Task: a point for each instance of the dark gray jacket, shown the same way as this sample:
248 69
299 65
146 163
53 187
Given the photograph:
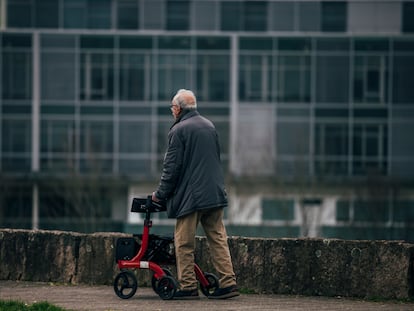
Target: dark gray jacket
192 177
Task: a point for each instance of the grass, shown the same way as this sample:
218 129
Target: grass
12 305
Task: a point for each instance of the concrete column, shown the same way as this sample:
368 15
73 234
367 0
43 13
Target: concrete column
35 126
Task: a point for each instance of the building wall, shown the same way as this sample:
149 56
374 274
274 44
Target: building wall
312 93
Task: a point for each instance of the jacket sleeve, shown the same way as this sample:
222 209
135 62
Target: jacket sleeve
173 162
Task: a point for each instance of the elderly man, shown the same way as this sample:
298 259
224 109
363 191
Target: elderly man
192 183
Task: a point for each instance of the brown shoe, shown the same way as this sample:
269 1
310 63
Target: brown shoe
224 293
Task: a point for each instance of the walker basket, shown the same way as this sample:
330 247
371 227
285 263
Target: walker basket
160 249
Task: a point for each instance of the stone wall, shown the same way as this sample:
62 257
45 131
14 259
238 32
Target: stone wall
372 269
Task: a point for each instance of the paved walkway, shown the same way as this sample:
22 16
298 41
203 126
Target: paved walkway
103 298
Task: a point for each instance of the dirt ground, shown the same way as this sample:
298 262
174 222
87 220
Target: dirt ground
103 298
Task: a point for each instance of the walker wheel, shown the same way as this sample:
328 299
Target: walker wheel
213 283
167 286
154 281
125 284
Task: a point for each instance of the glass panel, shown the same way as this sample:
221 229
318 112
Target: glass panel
174 73
255 16
17 67
128 14
403 91
96 76
370 79
309 16
254 83
93 14
153 17
213 43
47 14
369 149
292 137
332 79
58 137
249 43
135 136
331 140
278 209
343 210
213 77
136 43
58 75
282 16
16 136
294 79
404 211
334 16
96 137
74 14
19 13
374 17
178 15
231 13
99 14
134 76
205 13
371 210
408 16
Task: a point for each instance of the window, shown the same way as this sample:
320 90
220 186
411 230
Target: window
403 67
135 136
343 208
47 14
96 68
91 14
178 15
244 16
332 78
58 75
174 69
255 77
331 149
278 209
334 16
369 149
135 76
408 16
213 77
96 146
153 14
370 79
257 70
255 16
58 136
371 210
294 79
96 76
19 13
231 14
17 67
127 14
282 16
174 73
205 15
16 145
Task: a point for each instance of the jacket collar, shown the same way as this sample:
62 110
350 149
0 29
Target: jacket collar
186 114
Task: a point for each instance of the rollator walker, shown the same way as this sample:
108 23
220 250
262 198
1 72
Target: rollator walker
154 252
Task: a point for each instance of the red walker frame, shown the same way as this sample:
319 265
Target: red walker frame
165 284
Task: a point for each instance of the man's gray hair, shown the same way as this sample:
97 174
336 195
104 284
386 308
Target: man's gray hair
185 99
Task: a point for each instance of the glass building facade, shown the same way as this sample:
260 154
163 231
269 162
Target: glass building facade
313 100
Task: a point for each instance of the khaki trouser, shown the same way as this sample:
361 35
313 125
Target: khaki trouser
184 240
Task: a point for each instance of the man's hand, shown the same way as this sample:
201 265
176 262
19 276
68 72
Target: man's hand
154 197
